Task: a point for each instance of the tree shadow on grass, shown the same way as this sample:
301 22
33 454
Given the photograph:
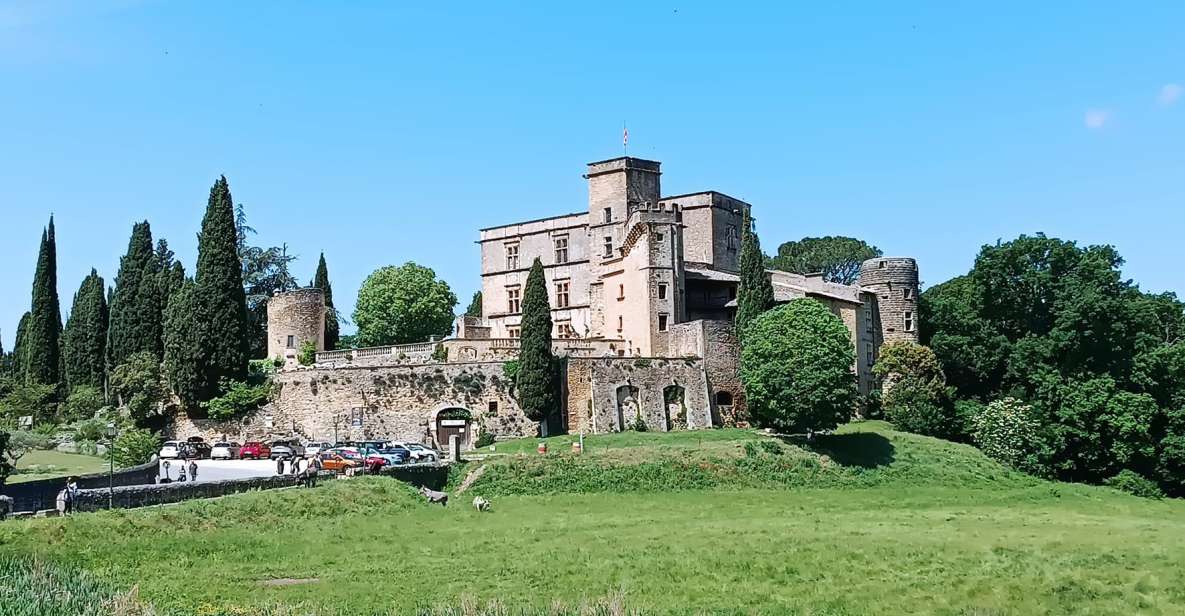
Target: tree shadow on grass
863 449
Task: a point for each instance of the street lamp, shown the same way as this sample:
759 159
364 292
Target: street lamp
111 434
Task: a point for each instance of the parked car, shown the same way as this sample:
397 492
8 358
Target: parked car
316 447
255 450
171 450
225 451
287 449
374 462
419 453
393 455
198 447
333 460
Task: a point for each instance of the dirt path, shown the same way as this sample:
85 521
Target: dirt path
470 478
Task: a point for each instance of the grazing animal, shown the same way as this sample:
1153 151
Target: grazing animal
6 506
435 497
481 504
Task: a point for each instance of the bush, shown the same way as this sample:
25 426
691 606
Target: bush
135 446
1009 431
89 430
237 398
484 438
307 355
138 385
37 401
6 466
918 410
916 398
83 403
440 354
796 366
21 442
1135 484
639 424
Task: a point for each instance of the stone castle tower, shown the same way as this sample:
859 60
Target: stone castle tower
294 317
894 281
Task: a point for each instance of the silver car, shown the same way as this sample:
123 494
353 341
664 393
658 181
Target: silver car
287 449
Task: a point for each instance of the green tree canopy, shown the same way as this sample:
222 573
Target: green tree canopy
44 328
332 323
84 340
265 271
400 305
18 349
474 309
219 279
184 364
537 390
837 257
135 305
796 367
756 293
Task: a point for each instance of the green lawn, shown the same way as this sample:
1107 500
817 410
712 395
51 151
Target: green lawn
39 464
900 524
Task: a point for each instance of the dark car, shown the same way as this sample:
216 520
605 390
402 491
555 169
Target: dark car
399 455
197 447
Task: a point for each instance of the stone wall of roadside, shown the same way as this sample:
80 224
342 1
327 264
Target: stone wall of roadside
431 476
43 493
129 497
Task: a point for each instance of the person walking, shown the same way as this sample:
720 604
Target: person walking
193 470
279 466
181 472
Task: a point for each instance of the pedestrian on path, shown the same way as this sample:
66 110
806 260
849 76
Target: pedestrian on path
181 472
193 470
279 466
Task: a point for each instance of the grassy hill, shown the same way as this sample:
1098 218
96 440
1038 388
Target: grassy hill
867 521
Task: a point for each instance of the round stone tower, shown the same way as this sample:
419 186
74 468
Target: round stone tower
294 317
894 281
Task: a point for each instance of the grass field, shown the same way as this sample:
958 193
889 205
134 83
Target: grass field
869 521
41 464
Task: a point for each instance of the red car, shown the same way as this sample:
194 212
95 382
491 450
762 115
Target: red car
254 450
374 462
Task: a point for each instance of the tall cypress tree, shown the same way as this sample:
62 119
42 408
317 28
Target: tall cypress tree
536 373
84 341
18 349
332 328
184 367
170 277
756 292
219 279
44 330
135 304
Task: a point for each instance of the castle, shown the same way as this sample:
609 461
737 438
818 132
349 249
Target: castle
643 292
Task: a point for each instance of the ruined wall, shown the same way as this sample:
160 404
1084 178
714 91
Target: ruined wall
390 402
595 386
717 344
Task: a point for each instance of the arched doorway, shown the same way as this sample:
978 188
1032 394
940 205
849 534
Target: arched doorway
723 408
675 408
628 409
451 421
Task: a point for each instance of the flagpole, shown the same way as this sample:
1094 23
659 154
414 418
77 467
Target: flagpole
625 139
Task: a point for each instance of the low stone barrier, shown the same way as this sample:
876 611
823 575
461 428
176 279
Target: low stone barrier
128 497
41 494
432 476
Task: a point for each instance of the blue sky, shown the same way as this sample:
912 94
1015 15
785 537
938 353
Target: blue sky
383 132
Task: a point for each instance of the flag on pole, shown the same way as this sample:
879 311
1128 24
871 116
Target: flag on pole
625 137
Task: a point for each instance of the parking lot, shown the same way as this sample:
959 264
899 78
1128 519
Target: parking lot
215 470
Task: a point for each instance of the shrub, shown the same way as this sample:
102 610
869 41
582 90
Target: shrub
307 355
6 465
83 403
135 446
1009 431
138 385
89 430
639 424
510 370
919 410
1135 484
34 400
484 438
237 398
440 353
796 366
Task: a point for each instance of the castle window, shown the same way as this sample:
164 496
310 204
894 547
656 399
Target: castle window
723 398
564 330
870 359
620 323
620 291
513 332
908 321
662 322
608 214
493 407
662 291
608 246
730 236
291 342
561 294
513 299
868 320
512 256
561 249
880 264
657 238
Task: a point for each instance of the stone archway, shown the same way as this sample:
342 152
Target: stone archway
628 406
675 407
450 419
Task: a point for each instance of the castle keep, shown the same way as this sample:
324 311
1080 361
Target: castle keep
643 292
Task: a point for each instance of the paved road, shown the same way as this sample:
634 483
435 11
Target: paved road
214 470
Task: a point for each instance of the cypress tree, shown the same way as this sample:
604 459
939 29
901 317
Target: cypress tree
474 309
170 276
184 368
536 373
84 341
219 280
44 329
332 328
18 349
135 304
756 292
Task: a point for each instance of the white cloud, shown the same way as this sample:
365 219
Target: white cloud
1170 93
1096 118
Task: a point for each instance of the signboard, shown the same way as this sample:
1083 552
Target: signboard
356 415
453 423
26 421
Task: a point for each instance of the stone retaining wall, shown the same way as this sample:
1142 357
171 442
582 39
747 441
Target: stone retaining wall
128 497
43 493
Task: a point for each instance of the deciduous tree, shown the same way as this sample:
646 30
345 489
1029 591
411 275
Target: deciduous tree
399 305
838 258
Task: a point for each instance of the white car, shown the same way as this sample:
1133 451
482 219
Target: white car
316 447
171 450
419 453
225 451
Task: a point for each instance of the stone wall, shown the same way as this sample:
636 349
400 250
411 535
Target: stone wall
607 394
894 280
299 315
389 402
128 497
43 493
717 344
